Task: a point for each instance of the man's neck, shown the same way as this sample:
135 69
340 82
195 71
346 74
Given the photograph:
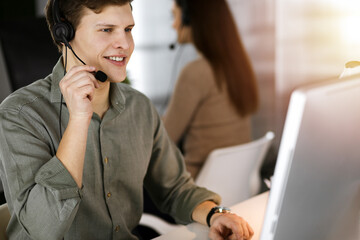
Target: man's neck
101 101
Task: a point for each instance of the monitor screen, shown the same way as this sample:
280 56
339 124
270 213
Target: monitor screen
315 192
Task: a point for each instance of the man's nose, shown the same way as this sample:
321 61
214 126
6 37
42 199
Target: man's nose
121 40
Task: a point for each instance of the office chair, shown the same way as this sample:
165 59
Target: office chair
234 172
4 220
28 52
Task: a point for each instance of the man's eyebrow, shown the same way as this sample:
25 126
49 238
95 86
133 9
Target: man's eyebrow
105 25
111 25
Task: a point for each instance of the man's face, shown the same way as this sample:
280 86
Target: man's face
104 40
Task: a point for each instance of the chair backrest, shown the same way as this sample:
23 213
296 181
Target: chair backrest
4 220
234 172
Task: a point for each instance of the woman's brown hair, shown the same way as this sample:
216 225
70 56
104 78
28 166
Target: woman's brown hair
215 35
72 11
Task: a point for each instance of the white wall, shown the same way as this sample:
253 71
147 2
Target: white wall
314 39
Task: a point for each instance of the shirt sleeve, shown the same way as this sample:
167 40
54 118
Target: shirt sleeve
169 184
41 194
188 94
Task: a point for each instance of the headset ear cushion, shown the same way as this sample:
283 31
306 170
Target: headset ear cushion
63 29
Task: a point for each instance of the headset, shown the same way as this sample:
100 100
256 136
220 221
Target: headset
184 5
185 17
64 32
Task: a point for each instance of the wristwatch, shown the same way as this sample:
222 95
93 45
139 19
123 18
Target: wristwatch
217 209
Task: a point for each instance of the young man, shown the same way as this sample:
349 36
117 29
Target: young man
76 152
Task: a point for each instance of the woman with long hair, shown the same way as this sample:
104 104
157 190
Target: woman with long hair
216 94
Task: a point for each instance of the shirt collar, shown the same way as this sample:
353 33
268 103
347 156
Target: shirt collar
117 97
55 77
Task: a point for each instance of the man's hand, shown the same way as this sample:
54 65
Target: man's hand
229 226
78 87
223 226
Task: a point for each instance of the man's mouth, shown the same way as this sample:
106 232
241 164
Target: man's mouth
117 59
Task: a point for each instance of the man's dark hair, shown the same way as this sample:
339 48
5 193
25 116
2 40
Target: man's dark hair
72 11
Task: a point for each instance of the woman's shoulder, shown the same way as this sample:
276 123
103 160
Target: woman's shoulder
198 70
198 65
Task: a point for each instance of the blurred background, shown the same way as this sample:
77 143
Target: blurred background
290 42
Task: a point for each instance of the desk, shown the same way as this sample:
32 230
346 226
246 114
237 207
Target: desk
252 210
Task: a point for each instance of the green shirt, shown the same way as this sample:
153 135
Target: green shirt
126 150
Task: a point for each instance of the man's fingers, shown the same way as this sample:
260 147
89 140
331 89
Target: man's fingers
74 70
83 81
87 92
230 226
245 229
251 231
215 235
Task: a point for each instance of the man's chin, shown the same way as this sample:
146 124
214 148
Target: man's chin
117 79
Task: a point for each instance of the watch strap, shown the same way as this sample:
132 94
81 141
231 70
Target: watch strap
216 209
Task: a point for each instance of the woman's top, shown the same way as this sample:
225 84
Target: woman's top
201 116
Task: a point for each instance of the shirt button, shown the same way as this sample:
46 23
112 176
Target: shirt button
108 194
106 160
117 228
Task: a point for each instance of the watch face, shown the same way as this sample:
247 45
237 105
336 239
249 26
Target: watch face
223 210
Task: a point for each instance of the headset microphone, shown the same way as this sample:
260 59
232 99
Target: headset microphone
172 46
99 75
64 32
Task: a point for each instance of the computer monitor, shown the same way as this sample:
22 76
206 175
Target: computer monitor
315 192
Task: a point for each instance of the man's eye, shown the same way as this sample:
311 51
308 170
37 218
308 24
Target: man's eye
128 29
106 30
